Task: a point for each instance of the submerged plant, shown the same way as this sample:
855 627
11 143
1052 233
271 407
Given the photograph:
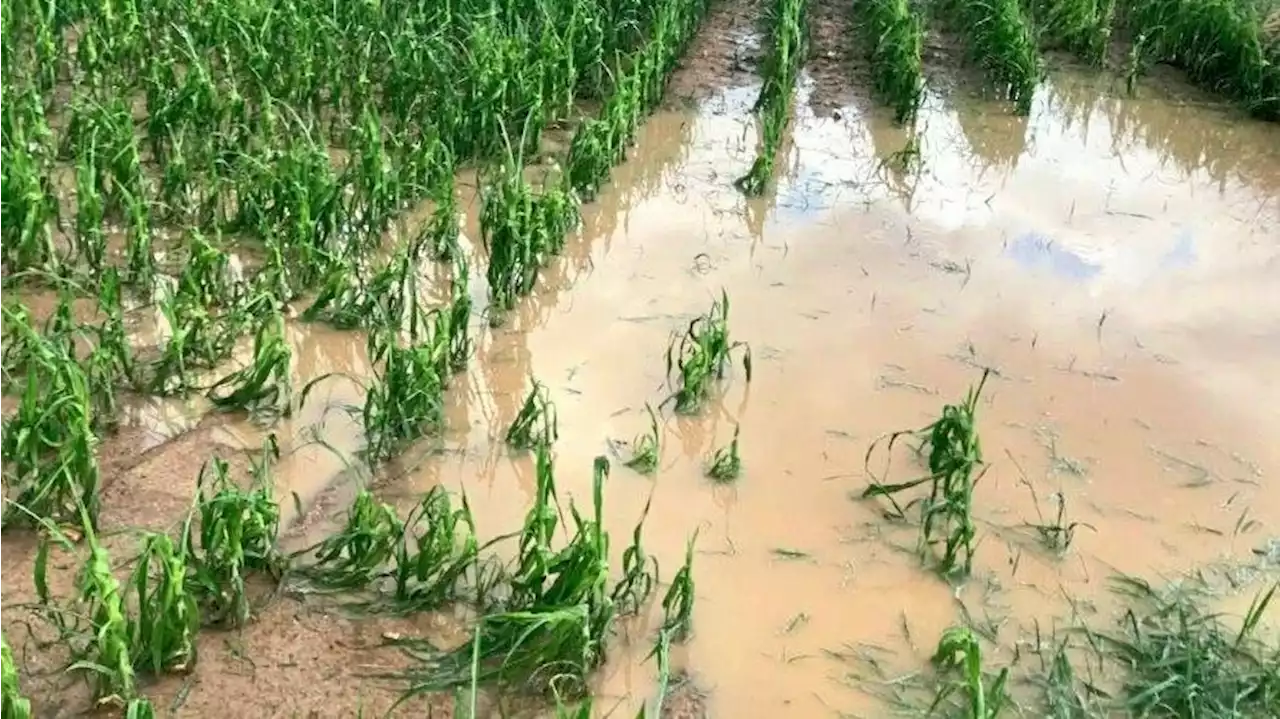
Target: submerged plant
959 651
647 448
701 355
726 464
954 456
264 385
677 604
536 421
1058 535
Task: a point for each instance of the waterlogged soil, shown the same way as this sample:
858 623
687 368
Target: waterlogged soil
1113 260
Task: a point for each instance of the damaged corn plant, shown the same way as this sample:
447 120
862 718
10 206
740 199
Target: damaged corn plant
953 457
556 607
701 355
230 534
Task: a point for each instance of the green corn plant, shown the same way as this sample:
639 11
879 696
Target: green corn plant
1222 45
103 653
893 34
162 636
521 230
559 613
111 360
197 340
357 555
91 241
959 650
139 708
701 355
30 207
647 448
230 532
677 603
433 552
266 384
536 422
49 444
1081 26
954 458
726 464
441 233
11 700
638 579
405 399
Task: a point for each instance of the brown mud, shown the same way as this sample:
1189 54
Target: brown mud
1113 260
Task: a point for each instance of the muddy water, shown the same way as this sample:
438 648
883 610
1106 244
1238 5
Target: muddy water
1114 260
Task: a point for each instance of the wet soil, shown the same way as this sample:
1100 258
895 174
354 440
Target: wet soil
1113 259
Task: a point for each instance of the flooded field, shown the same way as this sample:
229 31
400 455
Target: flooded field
1110 258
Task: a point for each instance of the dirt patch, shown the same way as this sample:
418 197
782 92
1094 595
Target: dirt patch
724 53
300 660
836 62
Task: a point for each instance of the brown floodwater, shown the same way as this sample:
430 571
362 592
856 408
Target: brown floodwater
1113 259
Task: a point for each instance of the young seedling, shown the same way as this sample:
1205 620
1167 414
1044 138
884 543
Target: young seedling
726 464
701 355
647 448
536 421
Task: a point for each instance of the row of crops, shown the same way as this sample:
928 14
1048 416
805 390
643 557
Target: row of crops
1223 45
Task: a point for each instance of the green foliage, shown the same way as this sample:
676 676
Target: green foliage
893 34
954 456
702 354
788 37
